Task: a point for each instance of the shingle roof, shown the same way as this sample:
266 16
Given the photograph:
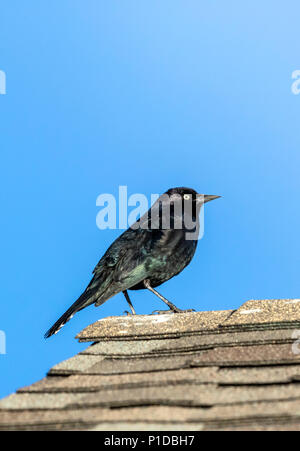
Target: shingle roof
228 370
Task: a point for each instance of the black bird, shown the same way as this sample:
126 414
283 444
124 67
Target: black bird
153 250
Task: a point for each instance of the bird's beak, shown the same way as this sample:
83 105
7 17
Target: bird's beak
208 198
203 198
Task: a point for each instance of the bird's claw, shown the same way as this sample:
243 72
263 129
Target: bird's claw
166 312
185 311
162 312
129 313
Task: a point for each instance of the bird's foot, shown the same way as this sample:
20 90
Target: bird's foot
128 313
184 311
166 312
162 312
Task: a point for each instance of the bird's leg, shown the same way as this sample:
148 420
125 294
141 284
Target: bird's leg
172 307
129 303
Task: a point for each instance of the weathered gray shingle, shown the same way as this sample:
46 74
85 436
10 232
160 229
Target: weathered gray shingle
194 395
186 344
248 356
91 383
277 313
200 375
281 412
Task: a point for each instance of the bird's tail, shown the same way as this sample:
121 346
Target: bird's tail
87 298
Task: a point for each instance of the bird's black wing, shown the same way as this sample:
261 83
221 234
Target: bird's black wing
122 266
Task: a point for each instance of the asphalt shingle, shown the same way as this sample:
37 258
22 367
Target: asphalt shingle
198 375
91 383
188 343
248 356
254 314
272 413
203 395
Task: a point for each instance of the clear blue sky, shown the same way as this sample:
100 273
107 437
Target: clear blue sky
150 95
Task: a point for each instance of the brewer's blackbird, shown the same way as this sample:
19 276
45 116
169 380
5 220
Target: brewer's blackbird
154 249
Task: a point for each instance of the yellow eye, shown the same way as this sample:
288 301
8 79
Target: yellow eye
186 197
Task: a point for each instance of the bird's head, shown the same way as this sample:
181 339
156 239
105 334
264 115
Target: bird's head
189 194
178 208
